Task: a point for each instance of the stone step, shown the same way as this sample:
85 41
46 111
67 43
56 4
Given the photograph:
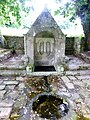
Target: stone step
78 72
85 56
79 67
4 55
12 67
12 72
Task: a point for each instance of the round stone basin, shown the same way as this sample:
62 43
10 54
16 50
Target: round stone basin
50 107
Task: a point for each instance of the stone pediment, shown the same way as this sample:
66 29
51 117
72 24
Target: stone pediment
43 22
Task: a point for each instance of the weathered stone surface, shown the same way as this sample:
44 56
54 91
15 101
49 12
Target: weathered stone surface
13 95
12 72
75 96
2 93
5 112
87 82
78 72
87 101
5 104
79 83
69 85
2 87
83 77
67 94
10 87
21 101
72 77
84 93
10 82
21 86
20 78
16 42
65 79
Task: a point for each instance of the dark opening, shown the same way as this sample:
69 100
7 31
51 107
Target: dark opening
50 107
44 68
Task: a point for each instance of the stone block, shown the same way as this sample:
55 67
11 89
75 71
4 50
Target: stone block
2 93
20 78
65 79
2 87
69 85
72 77
5 112
5 104
10 82
83 77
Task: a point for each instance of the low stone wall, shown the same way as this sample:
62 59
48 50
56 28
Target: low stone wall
72 45
69 45
14 42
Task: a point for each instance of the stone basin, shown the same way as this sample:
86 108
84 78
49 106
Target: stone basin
50 106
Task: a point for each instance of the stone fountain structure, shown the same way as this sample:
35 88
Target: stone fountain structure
44 43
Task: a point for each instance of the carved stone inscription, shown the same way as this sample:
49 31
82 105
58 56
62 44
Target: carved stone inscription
44 51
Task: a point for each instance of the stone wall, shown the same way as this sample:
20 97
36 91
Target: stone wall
72 45
2 39
14 42
69 46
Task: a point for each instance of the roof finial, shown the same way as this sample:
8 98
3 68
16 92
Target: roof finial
45 5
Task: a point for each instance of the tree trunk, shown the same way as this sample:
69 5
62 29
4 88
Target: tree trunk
86 27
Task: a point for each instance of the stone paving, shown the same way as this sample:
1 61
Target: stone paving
75 87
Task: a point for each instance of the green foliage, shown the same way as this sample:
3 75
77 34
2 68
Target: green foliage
75 8
9 13
12 11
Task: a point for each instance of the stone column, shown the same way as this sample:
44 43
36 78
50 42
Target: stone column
30 49
77 45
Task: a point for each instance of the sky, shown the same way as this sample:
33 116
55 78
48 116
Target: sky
38 6
52 5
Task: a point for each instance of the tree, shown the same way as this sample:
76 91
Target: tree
79 8
12 12
9 13
83 11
